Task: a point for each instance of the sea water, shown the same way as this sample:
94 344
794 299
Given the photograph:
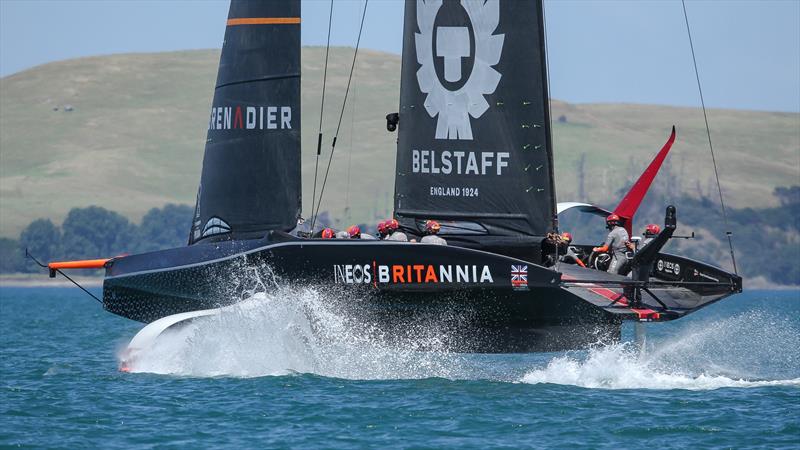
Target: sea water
287 370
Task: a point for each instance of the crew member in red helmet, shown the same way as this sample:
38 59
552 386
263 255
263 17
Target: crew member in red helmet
650 233
382 230
354 232
328 233
567 253
432 228
393 231
615 244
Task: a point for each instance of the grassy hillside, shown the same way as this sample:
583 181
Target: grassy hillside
134 139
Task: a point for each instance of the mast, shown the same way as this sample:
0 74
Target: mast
474 142
250 182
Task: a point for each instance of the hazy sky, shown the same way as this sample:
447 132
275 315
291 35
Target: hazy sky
600 51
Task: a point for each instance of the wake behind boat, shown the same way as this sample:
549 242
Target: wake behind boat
474 152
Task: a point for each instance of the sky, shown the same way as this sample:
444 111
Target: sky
748 51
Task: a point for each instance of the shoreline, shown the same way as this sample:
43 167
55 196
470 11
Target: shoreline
32 280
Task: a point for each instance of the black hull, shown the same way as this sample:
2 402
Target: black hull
469 295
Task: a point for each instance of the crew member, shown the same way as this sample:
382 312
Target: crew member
327 233
567 252
550 248
382 230
393 230
354 232
650 233
432 228
302 229
615 244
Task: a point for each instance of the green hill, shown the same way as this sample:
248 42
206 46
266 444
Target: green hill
134 138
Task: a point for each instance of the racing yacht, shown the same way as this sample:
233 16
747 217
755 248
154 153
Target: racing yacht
474 152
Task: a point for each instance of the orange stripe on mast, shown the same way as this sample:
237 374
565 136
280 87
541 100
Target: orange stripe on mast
264 21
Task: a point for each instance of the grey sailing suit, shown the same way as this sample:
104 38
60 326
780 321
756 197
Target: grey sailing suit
432 239
570 257
368 237
616 248
397 236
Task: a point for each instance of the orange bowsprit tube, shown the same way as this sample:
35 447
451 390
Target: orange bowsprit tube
83 264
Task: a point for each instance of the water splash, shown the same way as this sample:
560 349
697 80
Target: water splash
748 350
280 329
295 330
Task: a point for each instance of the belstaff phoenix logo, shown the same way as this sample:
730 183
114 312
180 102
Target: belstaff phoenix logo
454 107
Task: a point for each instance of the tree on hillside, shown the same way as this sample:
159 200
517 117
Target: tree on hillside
96 232
167 227
10 256
43 240
787 195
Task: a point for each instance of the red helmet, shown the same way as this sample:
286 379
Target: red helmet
327 233
392 225
567 236
382 227
652 229
432 226
613 218
354 231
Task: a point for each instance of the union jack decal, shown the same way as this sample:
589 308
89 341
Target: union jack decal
519 276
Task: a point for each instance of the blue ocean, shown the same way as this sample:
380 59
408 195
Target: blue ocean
264 375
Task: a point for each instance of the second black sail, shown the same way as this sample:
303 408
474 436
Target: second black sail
474 140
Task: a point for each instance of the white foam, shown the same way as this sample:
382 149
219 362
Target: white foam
623 367
288 332
752 349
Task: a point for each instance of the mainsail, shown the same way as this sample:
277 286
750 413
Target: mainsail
251 169
474 140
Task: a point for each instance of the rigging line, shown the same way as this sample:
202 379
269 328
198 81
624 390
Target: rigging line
350 150
62 273
341 114
728 233
81 287
321 109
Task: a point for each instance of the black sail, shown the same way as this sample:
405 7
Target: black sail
474 142
251 169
